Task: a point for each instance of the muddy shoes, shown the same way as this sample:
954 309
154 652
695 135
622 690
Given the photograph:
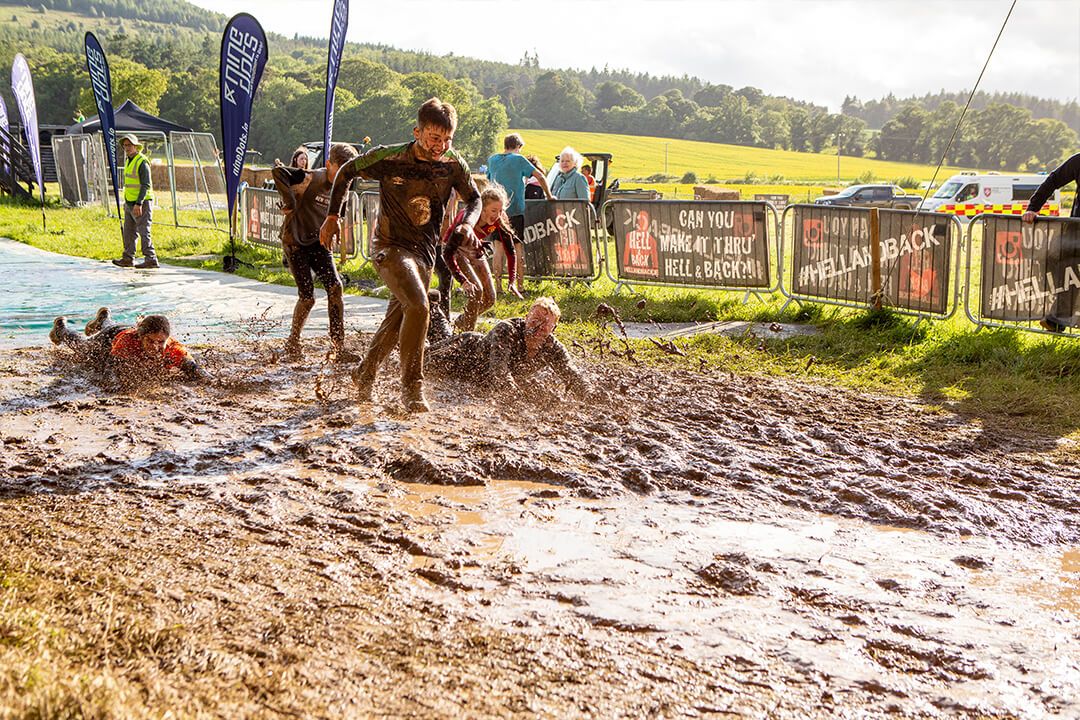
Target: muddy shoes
100 320
59 330
412 398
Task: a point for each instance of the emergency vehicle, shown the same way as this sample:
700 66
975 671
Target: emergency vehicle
969 194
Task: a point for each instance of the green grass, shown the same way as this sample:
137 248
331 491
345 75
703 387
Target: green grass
642 157
1002 376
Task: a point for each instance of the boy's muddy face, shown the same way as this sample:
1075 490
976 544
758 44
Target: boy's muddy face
432 142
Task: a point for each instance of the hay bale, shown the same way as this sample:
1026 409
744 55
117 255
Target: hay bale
707 192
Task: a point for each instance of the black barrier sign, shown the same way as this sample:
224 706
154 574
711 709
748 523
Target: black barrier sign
831 257
558 239
721 244
264 218
1031 271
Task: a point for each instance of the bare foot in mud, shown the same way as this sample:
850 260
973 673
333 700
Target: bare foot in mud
292 351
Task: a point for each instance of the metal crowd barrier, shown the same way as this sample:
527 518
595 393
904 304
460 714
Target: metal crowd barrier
261 218
711 244
559 239
1027 272
834 259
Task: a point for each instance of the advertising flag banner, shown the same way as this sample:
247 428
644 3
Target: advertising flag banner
101 84
339 23
23 88
243 57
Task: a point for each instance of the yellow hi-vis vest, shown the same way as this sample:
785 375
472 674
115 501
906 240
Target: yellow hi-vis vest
131 179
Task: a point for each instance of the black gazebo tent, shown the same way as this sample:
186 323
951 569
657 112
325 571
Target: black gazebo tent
129 118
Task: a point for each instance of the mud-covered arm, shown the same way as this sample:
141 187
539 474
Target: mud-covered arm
191 370
449 254
500 342
368 166
1059 178
285 178
558 359
469 197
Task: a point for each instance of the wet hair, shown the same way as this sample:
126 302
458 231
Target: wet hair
494 193
536 162
513 141
438 113
296 155
341 153
549 304
153 324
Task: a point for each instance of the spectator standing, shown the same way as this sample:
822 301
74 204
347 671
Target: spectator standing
510 169
138 199
567 182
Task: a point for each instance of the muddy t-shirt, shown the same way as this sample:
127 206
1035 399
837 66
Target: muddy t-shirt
126 346
501 355
305 196
412 195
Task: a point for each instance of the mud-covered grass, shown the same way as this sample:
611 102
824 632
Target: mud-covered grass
994 374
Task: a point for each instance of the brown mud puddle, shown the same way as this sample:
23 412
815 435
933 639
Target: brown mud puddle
695 545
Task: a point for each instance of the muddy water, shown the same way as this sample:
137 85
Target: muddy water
746 545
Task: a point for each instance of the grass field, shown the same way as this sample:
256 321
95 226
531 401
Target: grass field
641 157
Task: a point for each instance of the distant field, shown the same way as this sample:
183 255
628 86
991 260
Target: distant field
641 157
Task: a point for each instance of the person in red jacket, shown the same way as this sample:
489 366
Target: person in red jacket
131 354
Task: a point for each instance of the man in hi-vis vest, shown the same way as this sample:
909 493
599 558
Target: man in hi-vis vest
138 196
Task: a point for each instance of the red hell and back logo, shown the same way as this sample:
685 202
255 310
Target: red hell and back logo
1008 247
813 233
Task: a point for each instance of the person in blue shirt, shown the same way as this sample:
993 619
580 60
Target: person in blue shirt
510 169
567 182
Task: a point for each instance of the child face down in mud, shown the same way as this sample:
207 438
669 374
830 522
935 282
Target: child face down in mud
510 358
128 356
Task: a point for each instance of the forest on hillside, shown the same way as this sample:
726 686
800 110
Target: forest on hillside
164 56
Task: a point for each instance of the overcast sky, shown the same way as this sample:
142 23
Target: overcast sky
818 51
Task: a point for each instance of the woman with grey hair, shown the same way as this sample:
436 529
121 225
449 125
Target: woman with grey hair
567 182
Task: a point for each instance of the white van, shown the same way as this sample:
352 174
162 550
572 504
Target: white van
969 194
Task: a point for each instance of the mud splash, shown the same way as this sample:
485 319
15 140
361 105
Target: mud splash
694 544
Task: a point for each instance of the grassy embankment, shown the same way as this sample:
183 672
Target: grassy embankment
1003 375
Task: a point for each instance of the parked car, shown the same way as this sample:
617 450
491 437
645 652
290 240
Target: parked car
882 196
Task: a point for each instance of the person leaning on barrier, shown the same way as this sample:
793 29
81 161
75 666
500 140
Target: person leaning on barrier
1060 315
305 198
511 355
124 354
415 182
567 183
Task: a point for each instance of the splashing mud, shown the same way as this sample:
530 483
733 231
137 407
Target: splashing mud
692 544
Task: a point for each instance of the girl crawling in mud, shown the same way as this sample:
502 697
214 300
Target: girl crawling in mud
511 353
127 355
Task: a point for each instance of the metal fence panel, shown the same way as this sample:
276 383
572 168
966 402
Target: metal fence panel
832 258
559 239
81 170
720 244
197 176
262 218
1029 272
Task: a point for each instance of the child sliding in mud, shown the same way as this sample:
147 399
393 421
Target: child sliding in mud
127 355
512 353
